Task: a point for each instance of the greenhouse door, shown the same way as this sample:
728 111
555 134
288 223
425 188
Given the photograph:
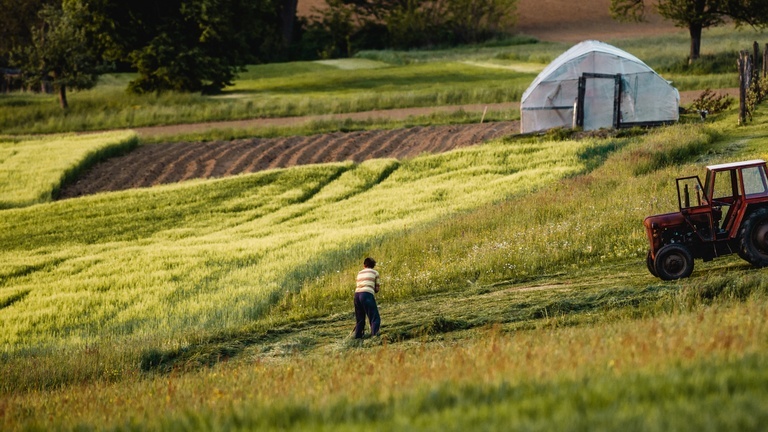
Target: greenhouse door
598 103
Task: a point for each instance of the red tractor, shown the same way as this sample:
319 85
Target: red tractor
728 214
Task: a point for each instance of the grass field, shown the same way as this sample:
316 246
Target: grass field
211 255
510 298
515 293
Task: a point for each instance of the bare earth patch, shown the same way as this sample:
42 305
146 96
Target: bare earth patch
156 164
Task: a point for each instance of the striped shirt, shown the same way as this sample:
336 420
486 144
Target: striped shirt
367 280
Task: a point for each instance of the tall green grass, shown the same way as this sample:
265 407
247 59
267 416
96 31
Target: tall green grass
217 254
32 170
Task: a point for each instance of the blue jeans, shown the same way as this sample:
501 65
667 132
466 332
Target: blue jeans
365 305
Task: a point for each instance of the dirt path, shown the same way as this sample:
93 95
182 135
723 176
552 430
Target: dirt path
394 114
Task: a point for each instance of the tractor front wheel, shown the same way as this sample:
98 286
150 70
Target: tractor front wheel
673 261
650 265
753 238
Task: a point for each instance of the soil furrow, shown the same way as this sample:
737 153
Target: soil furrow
266 159
173 171
295 145
309 152
331 144
246 162
165 163
391 142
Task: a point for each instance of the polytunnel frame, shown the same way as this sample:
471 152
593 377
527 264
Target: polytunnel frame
617 122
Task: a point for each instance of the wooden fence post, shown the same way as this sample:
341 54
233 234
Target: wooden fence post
765 61
755 75
742 65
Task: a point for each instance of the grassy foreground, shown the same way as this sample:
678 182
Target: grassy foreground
515 296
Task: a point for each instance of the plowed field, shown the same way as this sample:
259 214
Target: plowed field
156 164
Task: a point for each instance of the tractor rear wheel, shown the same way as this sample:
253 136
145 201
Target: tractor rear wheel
673 261
753 238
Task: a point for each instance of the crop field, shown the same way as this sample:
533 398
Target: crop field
24 180
218 254
151 165
514 288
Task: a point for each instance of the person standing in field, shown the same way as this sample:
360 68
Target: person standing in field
365 299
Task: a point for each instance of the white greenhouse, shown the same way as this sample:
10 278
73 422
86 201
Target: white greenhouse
595 85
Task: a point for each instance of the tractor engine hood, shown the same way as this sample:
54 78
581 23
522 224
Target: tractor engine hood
664 220
655 225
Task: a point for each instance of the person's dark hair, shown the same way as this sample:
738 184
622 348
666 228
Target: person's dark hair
369 262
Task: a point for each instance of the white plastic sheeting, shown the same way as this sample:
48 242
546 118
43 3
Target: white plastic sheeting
618 90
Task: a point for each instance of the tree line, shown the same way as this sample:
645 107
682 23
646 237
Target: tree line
200 45
184 45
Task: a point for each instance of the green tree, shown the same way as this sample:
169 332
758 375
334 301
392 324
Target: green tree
62 49
476 20
189 45
696 15
17 19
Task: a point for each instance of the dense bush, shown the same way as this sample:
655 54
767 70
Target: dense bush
711 102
